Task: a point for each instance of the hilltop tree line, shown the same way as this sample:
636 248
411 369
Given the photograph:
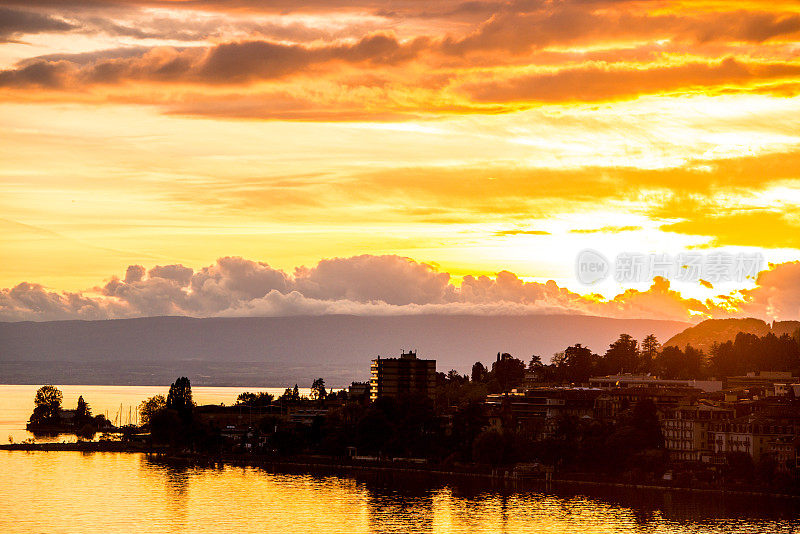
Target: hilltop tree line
748 352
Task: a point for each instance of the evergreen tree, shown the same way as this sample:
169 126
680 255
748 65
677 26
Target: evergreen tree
723 360
179 398
650 348
83 413
318 389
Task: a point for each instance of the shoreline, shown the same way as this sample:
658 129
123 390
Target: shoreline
77 446
502 476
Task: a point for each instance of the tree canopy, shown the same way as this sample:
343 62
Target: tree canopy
83 413
150 407
622 356
47 405
261 399
318 389
179 397
508 371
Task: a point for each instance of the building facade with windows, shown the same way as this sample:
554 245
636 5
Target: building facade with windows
406 375
687 431
757 436
629 380
537 412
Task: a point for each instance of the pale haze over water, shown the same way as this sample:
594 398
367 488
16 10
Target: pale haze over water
87 493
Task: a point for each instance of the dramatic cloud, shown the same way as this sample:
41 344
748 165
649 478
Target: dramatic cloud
777 294
388 279
14 24
574 23
602 83
32 302
373 285
227 63
409 61
177 273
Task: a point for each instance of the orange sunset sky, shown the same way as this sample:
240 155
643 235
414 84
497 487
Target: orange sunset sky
213 157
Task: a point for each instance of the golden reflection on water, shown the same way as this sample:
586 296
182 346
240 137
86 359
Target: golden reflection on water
111 492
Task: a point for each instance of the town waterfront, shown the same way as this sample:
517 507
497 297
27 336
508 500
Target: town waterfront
124 492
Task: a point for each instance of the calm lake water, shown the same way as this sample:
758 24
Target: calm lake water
55 492
114 492
118 403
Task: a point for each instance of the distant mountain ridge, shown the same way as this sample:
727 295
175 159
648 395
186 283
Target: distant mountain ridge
277 351
703 335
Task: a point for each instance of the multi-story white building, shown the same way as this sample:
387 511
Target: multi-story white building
756 436
687 434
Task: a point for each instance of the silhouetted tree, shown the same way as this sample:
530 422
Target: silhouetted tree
578 364
83 413
650 348
746 349
318 389
454 377
509 372
723 360
453 389
694 364
748 352
47 405
622 355
260 399
672 363
150 407
179 398
86 431
246 399
479 372
290 395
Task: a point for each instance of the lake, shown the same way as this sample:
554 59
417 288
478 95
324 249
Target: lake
115 492
118 403
73 492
